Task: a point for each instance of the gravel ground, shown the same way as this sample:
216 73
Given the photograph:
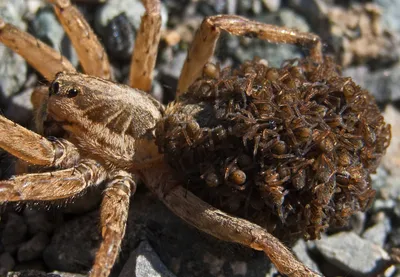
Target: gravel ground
63 237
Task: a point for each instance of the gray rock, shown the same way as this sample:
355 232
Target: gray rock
19 107
144 262
117 21
132 8
272 5
384 204
394 237
74 244
211 7
186 251
36 273
332 270
231 6
301 251
313 10
243 49
357 222
32 6
38 221
119 38
256 7
390 14
378 233
379 179
13 68
46 27
353 254
275 54
27 273
291 19
33 248
174 67
383 84
387 183
157 91
19 6
14 232
7 263
246 7
35 265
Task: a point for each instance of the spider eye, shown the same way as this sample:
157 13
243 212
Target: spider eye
54 88
72 92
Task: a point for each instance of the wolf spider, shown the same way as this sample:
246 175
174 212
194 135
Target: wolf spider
99 131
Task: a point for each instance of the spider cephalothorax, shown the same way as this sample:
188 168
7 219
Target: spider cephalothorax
289 148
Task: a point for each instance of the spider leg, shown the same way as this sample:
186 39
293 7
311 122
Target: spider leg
114 213
91 53
54 185
204 42
221 225
146 47
35 149
39 55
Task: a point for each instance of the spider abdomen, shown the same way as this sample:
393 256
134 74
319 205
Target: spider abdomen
290 148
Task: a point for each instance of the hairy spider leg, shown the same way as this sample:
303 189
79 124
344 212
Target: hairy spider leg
146 47
206 37
39 55
217 223
61 184
114 214
91 53
34 148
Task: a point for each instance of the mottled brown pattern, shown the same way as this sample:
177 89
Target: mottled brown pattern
289 148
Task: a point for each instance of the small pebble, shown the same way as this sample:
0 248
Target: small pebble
33 248
144 262
117 22
300 249
27 273
37 221
19 108
13 68
272 5
133 10
35 265
390 14
352 253
74 244
174 67
382 83
14 231
378 233
7 263
357 222
47 28
119 37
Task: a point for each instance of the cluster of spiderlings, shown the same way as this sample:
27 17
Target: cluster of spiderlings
290 149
